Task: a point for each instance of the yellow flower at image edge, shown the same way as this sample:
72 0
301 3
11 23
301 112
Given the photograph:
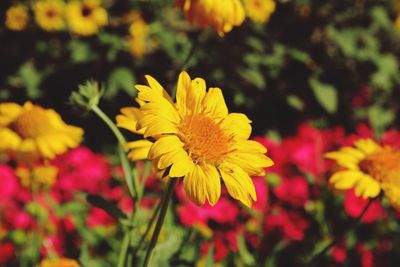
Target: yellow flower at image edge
259 10
30 132
49 14
368 168
86 17
62 262
222 15
17 17
197 139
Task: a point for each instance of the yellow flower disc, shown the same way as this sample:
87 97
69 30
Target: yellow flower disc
17 17
31 132
197 139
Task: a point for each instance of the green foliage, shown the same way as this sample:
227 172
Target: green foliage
325 94
120 78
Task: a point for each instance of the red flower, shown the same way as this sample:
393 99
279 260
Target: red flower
354 205
98 217
293 190
290 223
8 185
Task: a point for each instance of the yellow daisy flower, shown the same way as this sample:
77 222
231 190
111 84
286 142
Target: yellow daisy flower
259 10
17 17
62 262
197 139
49 14
139 42
86 17
222 15
30 132
368 168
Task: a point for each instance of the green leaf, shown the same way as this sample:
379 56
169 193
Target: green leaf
254 77
295 102
120 79
165 250
80 52
380 119
30 79
325 94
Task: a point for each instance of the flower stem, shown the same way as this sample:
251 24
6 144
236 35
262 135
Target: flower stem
131 181
315 259
163 211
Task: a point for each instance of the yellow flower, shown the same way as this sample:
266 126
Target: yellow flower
259 10
49 14
139 43
41 175
17 17
30 132
222 15
128 120
62 262
368 168
86 17
397 23
197 139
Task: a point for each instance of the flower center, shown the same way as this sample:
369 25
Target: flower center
86 11
32 123
204 139
381 164
51 13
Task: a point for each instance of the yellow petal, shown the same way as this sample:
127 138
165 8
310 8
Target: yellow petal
154 84
249 146
155 126
343 180
214 103
196 95
165 145
182 165
9 139
238 125
202 183
139 149
238 183
367 187
252 163
184 82
367 146
129 119
9 112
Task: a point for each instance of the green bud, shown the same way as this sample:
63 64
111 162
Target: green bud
88 95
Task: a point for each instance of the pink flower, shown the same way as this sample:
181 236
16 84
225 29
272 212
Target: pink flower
293 190
224 243
262 194
354 205
8 185
98 217
80 170
339 254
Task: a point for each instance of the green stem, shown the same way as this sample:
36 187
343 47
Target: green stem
131 181
163 211
315 259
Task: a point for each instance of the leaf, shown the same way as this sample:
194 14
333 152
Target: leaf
80 52
244 253
107 206
254 77
380 119
120 79
30 79
295 102
165 250
325 94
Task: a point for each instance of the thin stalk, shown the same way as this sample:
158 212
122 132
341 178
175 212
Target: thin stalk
163 211
183 66
315 259
132 181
